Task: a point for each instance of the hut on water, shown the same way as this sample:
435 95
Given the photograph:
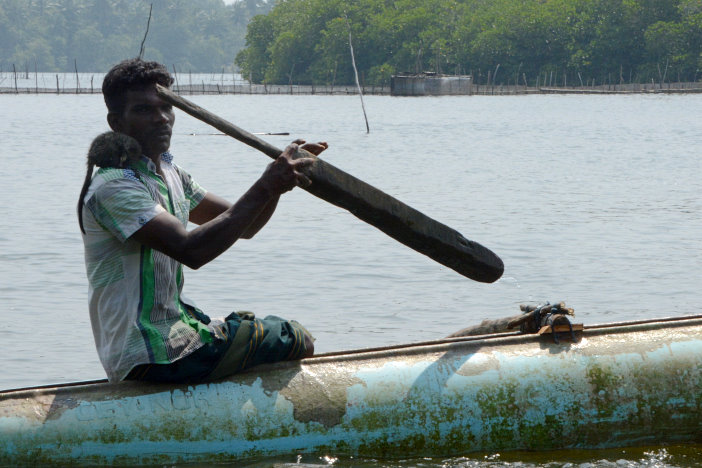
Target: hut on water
430 84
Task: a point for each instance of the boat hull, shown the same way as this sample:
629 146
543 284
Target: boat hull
623 385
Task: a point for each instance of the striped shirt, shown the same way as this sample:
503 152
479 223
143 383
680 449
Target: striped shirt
136 310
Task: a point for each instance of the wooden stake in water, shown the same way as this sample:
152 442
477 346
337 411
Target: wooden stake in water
355 72
143 41
175 75
75 64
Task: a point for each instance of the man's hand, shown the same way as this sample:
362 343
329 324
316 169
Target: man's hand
314 148
285 173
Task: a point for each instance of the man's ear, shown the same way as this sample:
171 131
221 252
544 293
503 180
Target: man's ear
114 121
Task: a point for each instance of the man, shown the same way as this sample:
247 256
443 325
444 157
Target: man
136 242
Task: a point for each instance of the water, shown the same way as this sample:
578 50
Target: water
593 200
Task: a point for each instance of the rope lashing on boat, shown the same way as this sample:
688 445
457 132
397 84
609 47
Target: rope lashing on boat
533 316
552 318
545 318
570 329
541 319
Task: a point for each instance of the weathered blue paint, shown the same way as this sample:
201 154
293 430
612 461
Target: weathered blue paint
618 386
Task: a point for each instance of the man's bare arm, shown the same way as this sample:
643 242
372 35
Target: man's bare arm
204 243
212 205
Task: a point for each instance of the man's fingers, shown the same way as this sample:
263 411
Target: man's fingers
299 166
290 150
303 181
316 148
303 161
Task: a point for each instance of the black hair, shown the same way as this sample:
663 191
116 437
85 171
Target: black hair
131 74
109 149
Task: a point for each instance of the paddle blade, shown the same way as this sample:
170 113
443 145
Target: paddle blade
404 224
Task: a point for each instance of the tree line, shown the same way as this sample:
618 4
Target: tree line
93 35
578 42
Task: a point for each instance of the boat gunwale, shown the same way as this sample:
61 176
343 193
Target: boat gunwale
406 349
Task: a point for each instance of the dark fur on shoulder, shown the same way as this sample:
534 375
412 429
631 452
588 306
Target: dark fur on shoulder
109 149
112 149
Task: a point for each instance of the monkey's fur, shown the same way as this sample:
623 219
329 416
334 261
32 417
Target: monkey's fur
109 149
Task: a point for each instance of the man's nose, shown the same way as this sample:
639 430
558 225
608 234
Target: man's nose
162 116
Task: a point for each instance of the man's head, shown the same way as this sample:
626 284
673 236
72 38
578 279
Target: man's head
132 74
135 109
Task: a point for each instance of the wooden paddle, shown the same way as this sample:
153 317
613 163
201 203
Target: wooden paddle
394 218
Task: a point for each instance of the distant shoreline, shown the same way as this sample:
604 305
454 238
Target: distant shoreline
202 89
311 90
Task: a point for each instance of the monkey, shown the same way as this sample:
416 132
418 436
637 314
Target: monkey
109 149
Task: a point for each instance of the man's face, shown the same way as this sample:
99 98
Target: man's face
147 119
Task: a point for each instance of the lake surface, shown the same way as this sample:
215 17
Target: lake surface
591 200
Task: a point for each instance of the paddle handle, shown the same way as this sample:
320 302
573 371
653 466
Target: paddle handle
401 222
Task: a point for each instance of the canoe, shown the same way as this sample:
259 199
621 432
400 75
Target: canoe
614 385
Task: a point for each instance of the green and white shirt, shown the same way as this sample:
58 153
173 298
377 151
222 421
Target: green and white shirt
136 310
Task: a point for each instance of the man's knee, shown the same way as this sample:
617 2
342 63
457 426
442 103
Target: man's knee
309 346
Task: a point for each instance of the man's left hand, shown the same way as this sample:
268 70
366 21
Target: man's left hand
314 148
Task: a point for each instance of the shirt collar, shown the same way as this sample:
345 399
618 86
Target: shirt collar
145 164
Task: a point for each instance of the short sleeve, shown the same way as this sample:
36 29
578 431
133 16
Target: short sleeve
122 206
194 193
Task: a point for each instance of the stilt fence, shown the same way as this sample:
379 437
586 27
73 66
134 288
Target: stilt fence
16 82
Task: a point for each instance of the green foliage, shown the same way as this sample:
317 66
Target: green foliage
54 35
307 41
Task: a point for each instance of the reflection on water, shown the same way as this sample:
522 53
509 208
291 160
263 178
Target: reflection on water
679 456
592 200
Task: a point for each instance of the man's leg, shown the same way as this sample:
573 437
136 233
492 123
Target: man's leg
193 368
249 342
253 341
